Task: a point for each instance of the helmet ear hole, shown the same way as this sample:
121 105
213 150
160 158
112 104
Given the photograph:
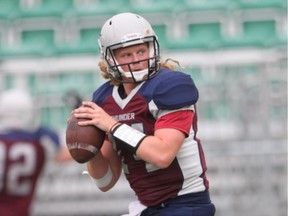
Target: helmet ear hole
123 30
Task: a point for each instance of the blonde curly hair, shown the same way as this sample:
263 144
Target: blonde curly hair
105 74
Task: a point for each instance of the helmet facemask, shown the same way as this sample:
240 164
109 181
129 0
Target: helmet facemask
115 69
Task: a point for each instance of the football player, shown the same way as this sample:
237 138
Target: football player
149 113
25 148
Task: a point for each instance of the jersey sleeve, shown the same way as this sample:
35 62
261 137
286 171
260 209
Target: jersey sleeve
175 90
180 120
102 93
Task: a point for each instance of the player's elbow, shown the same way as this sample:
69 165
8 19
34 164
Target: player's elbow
163 161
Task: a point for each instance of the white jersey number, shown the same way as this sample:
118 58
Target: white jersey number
23 163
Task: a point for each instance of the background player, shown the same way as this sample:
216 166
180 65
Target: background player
24 150
150 116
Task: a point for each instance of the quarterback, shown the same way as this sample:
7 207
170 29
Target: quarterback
149 113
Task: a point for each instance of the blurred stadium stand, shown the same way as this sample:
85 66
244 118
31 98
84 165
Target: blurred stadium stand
236 51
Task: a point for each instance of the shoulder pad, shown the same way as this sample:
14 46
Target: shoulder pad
174 90
101 93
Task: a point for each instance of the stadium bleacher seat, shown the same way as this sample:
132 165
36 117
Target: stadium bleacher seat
86 43
161 32
38 38
7 81
205 33
47 8
256 34
150 6
252 4
260 30
205 36
99 8
89 38
18 50
206 5
8 8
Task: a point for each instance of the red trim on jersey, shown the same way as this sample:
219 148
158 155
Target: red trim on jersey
180 120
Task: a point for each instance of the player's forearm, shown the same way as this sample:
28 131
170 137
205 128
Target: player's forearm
101 172
159 150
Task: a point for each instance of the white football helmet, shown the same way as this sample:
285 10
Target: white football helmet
123 30
16 110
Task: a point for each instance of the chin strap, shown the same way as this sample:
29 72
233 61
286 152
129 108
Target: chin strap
137 75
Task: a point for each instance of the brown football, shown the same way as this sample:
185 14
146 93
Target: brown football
83 142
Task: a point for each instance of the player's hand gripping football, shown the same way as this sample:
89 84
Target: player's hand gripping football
98 117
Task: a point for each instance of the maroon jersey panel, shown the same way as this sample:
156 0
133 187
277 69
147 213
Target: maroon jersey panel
22 158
